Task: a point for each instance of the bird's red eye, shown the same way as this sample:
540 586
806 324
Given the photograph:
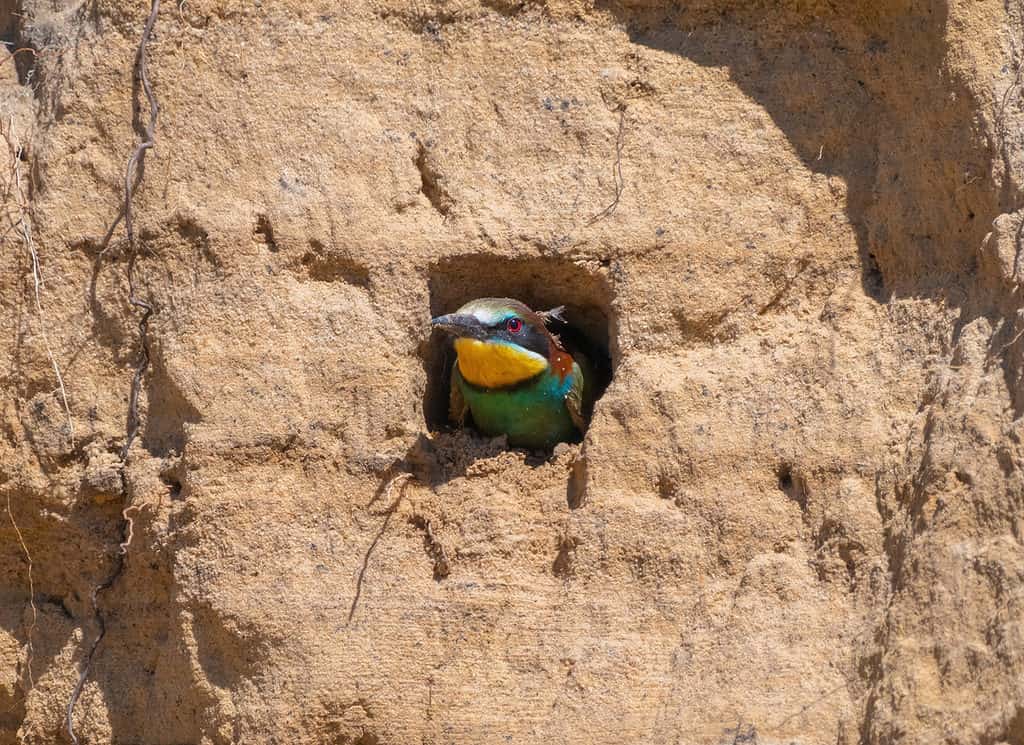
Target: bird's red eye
514 325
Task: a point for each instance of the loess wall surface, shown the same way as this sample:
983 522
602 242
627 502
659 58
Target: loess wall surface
798 513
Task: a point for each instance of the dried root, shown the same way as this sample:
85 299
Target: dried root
132 177
620 184
31 595
401 479
19 220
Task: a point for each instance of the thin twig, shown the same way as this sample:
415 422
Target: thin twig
1001 115
1012 341
807 707
24 227
38 282
1017 246
31 594
620 184
132 177
403 478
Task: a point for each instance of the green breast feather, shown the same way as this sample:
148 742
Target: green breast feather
538 413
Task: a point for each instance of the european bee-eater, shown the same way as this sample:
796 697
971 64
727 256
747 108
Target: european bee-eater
512 374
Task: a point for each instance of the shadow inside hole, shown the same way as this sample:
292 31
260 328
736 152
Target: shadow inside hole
540 283
793 485
14 47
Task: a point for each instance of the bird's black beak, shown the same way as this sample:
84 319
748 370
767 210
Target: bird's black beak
460 325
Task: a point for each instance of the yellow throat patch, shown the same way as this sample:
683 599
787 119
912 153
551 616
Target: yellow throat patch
494 365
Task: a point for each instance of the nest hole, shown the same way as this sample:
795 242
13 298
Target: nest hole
14 46
793 485
541 283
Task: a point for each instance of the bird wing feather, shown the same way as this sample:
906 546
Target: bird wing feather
574 398
457 406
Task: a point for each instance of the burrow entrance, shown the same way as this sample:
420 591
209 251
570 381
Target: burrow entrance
541 283
13 44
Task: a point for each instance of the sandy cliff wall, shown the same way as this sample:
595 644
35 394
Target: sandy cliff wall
798 514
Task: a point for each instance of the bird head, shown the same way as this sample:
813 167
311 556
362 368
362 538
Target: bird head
501 342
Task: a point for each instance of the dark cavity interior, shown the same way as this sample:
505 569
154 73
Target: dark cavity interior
541 283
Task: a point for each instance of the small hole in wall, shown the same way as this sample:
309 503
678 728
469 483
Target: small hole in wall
263 232
792 485
14 46
173 487
541 283
873 279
